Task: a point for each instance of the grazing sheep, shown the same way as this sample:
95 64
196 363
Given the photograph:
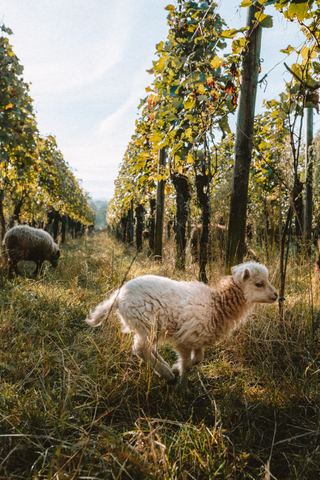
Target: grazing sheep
27 243
188 315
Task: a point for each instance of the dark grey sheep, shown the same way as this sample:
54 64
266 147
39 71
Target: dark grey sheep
27 243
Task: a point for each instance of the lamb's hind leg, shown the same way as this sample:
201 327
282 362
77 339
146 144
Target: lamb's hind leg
164 364
144 350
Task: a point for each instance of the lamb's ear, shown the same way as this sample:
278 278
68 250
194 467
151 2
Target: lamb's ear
246 275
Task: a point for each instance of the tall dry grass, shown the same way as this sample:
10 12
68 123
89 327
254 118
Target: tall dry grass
76 404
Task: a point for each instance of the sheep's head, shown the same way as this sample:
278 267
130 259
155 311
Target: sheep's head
253 277
55 257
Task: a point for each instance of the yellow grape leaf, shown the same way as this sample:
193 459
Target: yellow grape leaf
215 62
167 189
189 158
300 9
156 138
189 104
160 63
287 50
305 52
313 54
188 134
201 89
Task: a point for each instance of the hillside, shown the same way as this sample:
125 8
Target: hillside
100 210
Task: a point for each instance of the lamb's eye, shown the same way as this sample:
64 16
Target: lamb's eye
259 284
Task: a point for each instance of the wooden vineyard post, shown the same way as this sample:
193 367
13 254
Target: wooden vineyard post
159 207
243 143
307 223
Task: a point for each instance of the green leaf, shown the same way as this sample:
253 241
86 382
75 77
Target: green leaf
311 105
202 97
316 67
172 117
295 89
224 125
178 62
265 21
6 29
283 97
177 102
173 90
204 6
311 81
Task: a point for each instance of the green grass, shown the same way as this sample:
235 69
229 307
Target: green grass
76 404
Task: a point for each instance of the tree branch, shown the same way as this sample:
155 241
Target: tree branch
300 79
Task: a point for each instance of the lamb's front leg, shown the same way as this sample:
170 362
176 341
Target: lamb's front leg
182 368
197 356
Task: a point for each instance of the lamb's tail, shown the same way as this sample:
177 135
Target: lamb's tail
103 310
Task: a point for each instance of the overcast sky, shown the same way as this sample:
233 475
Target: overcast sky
87 61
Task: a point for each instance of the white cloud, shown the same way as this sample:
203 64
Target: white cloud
75 50
96 156
117 119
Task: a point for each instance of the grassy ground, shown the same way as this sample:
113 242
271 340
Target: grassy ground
76 404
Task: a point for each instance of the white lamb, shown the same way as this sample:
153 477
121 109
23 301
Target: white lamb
188 315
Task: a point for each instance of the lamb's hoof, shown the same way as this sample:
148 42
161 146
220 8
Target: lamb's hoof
172 381
175 370
184 392
182 388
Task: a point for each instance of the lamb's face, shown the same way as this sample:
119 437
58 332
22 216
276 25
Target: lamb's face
254 280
